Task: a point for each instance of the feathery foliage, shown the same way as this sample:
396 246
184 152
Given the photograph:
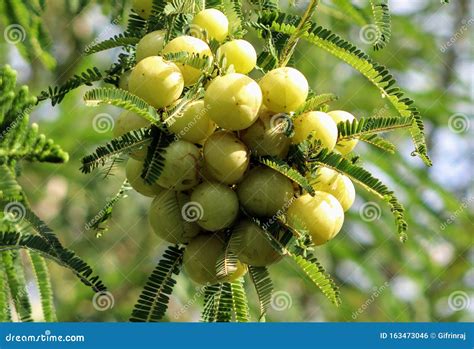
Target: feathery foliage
264 287
122 99
316 273
124 144
100 220
218 303
227 262
17 285
289 172
314 102
154 162
381 15
44 285
367 126
25 29
240 306
117 41
20 228
57 93
154 299
379 142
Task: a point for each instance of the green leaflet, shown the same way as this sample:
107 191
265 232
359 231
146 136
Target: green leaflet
153 301
316 273
367 126
381 15
44 285
264 287
17 285
124 100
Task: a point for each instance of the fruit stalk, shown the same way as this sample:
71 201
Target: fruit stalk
289 48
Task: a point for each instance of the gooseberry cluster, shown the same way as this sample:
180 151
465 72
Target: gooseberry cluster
209 186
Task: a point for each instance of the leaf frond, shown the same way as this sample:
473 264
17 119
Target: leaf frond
263 286
153 301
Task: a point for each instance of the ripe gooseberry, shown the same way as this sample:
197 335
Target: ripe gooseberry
321 215
344 147
128 121
214 22
143 7
239 53
265 192
254 248
233 101
133 172
182 163
193 124
336 184
318 124
226 158
150 45
267 136
190 45
158 82
166 219
200 259
284 89
217 203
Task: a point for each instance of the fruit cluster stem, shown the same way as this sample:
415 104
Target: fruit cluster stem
289 48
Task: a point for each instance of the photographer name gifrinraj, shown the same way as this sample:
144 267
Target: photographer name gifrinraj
452 335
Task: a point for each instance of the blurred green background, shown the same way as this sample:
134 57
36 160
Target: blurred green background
429 278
